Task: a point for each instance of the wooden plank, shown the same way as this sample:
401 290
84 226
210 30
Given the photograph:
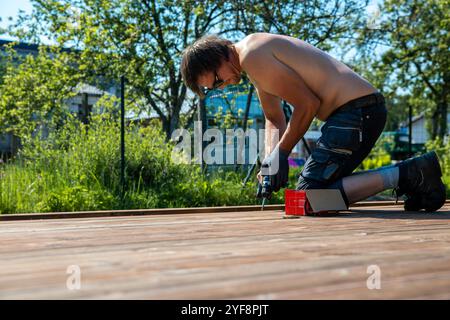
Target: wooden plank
134 212
229 255
164 211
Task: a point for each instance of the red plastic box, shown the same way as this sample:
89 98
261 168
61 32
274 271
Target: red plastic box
296 203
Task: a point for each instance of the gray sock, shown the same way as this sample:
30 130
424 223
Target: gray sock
390 176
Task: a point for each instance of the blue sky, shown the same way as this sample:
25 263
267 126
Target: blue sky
10 8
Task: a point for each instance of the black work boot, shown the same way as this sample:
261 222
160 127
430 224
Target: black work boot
420 181
417 201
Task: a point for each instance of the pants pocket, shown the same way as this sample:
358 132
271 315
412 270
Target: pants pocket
347 138
343 131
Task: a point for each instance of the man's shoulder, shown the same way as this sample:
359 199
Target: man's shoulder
256 40
257 36
256 56
254 45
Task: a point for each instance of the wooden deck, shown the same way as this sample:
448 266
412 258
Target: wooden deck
249 255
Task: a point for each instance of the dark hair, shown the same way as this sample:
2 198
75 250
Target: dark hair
204 55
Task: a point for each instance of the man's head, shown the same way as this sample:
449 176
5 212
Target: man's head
209 63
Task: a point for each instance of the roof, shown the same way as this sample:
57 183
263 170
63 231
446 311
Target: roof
28 46
20 45
90 90
419 117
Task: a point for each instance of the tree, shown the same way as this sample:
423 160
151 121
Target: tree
320 23
142 39
33 90
413 39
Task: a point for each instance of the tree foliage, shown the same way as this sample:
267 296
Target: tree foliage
33 90
320 23
142 39
414 41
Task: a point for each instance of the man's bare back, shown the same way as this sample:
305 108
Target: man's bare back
280 68
331 81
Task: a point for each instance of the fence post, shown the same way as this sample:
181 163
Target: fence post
122 135
410 133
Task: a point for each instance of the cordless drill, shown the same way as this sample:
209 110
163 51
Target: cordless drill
265 190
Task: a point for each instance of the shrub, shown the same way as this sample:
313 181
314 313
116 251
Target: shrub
379 155
442 148
77 167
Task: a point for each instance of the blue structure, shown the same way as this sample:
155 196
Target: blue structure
234 99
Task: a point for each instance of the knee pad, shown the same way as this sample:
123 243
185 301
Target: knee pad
304 183
338 185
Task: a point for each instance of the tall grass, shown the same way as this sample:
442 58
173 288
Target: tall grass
77 168
442 148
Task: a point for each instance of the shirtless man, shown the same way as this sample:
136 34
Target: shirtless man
316 85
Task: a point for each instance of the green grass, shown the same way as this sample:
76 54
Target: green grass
442 148
29 188
77 169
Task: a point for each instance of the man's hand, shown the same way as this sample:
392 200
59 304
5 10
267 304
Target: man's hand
276 166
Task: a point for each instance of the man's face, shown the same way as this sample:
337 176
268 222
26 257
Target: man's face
225 75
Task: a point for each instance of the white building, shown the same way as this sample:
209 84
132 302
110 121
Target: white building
420 133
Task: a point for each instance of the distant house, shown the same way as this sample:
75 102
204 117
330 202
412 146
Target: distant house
232 99
420 133
9 144
86 97
81 104
23 49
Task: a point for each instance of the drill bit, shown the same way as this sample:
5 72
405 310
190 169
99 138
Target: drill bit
266 190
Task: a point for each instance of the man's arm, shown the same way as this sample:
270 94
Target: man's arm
275 119
275 79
